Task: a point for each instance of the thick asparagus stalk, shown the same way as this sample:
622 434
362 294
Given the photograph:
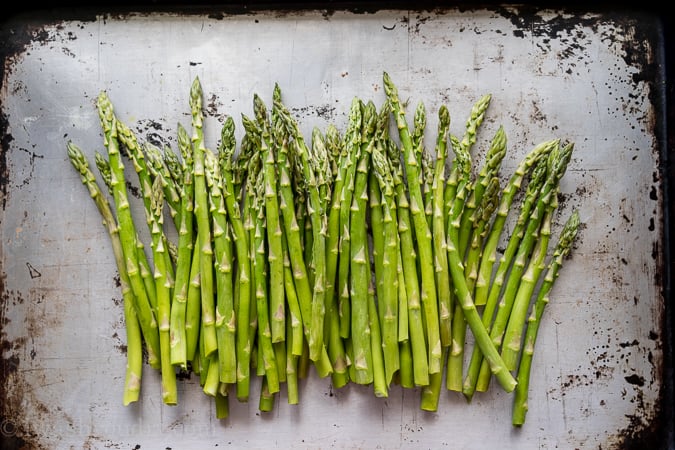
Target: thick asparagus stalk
132 380
562 249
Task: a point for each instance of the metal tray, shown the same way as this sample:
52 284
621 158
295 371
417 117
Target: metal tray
600 377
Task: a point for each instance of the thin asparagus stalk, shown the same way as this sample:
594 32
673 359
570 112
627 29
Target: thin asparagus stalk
443 288
274 252
193 308
294 337
489 257
314 174
201 211
422 231
388 298
239 235
185 250
558 162
536 182
292 235
225 317
163 286
412 293
143 266
345 201
561 251
144 311
134 342
489 171
158 168
461 177
261 292
336 349
521 302
480 219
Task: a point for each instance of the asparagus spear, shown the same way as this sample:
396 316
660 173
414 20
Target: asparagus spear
225 317
158 168
562 249
274 252
537 179
132 380
239 235
185 250
163 285
388 298
359 268
422 232
443 288
489 257
409 268
144 311
558 162
201 211
143 266
260 286
345 202
313 173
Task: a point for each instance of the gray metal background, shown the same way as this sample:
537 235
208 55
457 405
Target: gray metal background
597 376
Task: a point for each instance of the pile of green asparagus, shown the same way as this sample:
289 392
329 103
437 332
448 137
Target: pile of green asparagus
355 253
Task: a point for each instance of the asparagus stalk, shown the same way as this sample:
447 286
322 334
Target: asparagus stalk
158 168
185 250
261 294
314 174
412 291
389 290
274 252
127 232
443 288
562 249
557 165
353 152
143 266
201 211
489 171
163 285
225 316
193 308
359 268
239 235
422 232
489 256
132 380
292 235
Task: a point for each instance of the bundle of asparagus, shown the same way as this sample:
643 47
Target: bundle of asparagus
357 253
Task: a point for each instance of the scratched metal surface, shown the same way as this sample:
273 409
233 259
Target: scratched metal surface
588 78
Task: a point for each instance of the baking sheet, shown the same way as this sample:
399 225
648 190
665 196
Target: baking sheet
590 78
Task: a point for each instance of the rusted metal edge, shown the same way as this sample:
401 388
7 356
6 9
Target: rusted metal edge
24 28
